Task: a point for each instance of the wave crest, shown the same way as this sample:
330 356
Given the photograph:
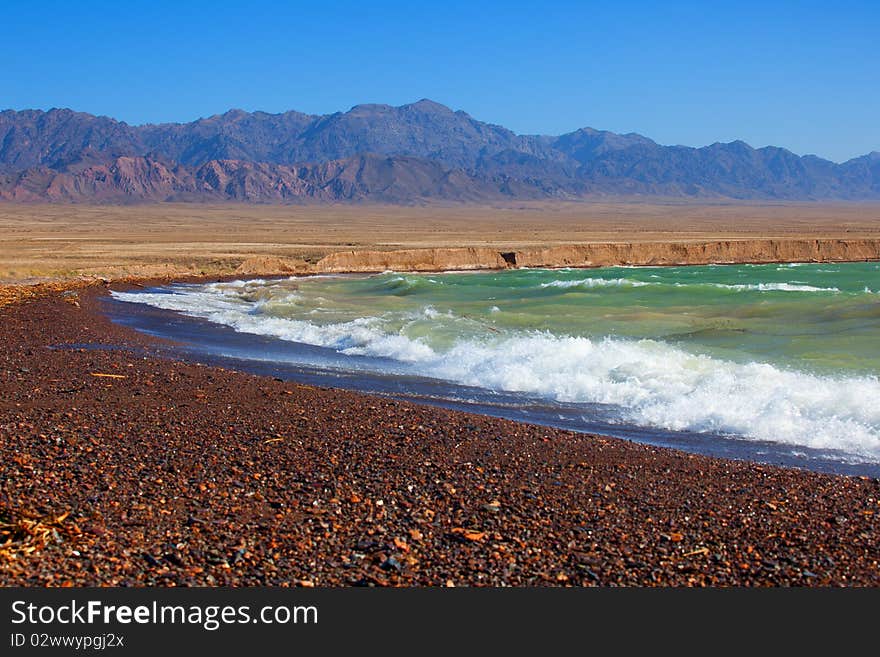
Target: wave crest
652 383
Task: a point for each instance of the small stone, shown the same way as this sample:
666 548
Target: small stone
468 534
391 564
173 559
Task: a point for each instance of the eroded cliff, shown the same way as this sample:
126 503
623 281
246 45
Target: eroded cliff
601 254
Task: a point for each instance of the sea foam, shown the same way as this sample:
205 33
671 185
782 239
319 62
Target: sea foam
649 382
596 282
743 287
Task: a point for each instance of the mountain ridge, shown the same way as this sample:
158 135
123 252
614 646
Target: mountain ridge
416 152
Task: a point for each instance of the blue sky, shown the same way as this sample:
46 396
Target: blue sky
804 75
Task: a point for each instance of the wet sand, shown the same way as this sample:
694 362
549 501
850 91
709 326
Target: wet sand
119 466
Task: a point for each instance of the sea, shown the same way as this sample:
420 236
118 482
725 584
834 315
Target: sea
775 363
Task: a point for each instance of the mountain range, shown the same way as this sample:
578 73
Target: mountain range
409 154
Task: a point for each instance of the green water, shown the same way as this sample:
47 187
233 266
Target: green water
788 355
814 317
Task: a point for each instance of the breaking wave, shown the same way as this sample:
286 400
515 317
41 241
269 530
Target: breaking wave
597 282
651 383
625 282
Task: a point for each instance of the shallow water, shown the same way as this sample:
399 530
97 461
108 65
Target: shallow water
771 362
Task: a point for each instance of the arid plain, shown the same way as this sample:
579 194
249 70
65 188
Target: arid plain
62 241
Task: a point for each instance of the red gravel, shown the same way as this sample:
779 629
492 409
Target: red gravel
181 474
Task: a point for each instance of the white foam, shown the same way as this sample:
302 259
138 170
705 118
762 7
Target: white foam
627 282
663 386
596 282
357 337
654 384
775 287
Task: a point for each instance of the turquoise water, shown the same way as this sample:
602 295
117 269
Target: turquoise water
780 353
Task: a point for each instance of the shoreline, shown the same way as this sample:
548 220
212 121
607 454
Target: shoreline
260 481
201 340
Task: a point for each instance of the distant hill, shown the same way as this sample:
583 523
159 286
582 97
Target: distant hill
404 154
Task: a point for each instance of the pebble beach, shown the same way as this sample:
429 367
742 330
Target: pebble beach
123 466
